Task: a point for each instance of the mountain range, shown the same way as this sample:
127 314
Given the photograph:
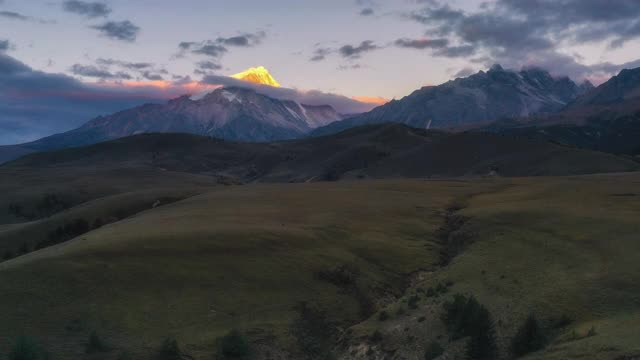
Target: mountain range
491 95
244 114
227 113
604 119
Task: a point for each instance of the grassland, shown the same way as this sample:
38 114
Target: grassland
244 256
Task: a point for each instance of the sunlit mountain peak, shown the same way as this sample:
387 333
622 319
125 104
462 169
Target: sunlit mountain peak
258 75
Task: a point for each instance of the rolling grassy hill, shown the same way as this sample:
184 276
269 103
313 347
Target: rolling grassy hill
234 257
245 257
376 151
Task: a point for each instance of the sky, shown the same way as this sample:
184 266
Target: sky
63 62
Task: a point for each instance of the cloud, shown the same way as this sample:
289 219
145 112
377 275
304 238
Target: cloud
320 54
87 9
349 52
367 12
142 70
244 40
96 72
119 30
350 67
456 51
367 7
464 72
148 75
210 49
519 32
341 103
220 46
34 104
354 52
4 45
125 64
206 67
422 43
567 65
14 16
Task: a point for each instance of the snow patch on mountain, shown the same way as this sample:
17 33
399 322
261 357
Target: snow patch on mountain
231 97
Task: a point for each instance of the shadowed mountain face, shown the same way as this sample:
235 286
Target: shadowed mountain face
484 96
606 118
380 151
622 88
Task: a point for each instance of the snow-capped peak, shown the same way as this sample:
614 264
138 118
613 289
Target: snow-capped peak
258 75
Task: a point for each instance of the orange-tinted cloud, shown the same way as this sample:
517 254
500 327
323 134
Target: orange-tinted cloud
371 100
161 89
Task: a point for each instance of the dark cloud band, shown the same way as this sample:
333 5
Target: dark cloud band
119 30
87 9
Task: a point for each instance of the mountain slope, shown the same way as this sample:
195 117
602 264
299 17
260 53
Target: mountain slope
606 118
484 96
227 113
623 87
617 135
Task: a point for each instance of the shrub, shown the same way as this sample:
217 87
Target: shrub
8 255
15 210
51 204
313 332
97 223
95 344
124 356
562 322
431 292
383 316
332 174
466 317
234 346
528 338
170 350
482 343
413 302
592 332
24 248
66 232
433 350
26 349
376 337
342 276
441 288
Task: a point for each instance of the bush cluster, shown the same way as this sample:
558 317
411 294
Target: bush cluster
313 332
528 338
233 346
433 350
466 317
